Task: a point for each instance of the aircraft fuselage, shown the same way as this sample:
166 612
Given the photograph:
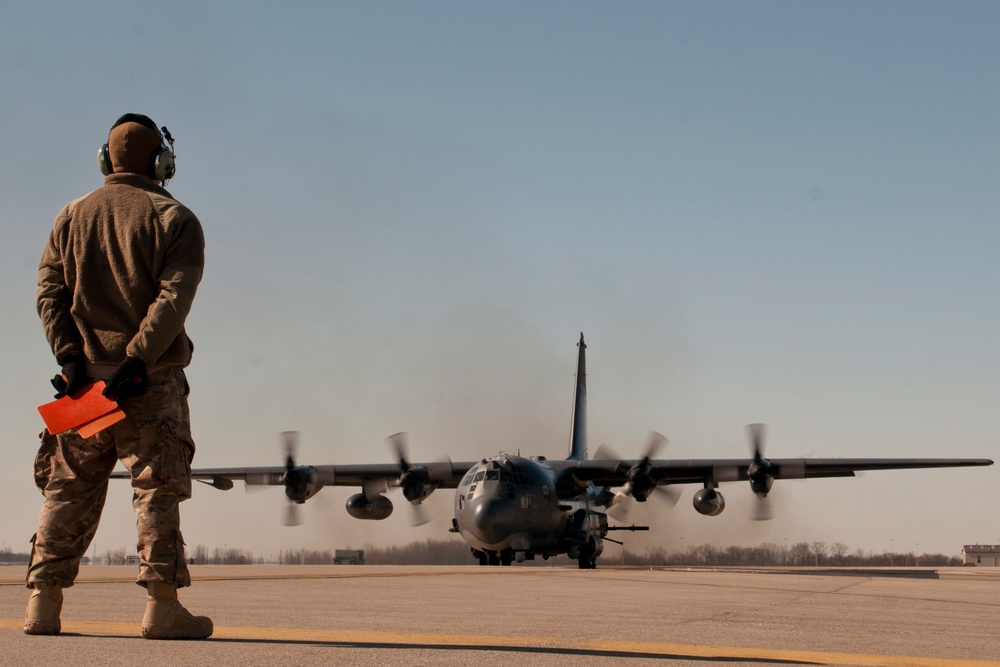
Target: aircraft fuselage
508 507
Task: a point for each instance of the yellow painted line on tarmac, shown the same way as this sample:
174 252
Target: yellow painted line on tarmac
613 648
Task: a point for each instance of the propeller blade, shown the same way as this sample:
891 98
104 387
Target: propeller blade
657 441
290 443
757 433
763 509
292 515
399 446
621 507
420 515
605 453
667 495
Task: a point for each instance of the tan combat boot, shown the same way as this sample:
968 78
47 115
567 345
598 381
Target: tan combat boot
42 615
166 618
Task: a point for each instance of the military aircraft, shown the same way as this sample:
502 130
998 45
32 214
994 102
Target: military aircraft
508 507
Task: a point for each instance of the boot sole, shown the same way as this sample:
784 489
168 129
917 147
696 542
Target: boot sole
41 628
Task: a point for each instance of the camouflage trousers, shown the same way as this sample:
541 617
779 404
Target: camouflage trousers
154 443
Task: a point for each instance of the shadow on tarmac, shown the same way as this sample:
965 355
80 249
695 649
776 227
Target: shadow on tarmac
537 650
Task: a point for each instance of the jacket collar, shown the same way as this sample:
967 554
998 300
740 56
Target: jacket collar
136 181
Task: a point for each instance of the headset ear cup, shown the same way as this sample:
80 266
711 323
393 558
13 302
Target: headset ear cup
162 167
104 161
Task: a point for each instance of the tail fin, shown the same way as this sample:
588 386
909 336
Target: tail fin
578 447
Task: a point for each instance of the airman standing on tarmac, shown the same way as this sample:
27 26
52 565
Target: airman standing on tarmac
115 284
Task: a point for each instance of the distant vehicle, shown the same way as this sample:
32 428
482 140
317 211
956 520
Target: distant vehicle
509 507
349 557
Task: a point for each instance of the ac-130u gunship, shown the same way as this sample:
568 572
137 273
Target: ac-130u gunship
509 507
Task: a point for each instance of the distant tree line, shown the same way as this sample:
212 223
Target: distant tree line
455 552
10 557
800 554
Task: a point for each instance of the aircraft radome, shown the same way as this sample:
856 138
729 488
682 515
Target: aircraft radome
509 507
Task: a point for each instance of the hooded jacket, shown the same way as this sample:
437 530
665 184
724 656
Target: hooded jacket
118 276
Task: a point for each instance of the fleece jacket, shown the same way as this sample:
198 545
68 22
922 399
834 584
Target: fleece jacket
118 276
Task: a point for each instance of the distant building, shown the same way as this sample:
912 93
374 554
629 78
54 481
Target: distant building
349 557
981 555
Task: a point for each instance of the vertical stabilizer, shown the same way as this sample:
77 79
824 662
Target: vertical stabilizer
578 447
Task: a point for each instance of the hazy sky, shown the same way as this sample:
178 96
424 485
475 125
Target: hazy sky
780 212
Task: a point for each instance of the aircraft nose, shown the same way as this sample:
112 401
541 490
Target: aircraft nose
488 518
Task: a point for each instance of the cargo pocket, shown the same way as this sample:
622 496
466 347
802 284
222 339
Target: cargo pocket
175 455
43 459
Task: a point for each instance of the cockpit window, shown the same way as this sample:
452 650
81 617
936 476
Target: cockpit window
479 476
492 475
504 476
467 480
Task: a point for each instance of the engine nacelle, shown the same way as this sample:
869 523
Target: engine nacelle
416 484
640 484
761 474
709 502
376 509
301 483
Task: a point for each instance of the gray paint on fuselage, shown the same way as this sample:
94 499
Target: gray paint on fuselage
513 505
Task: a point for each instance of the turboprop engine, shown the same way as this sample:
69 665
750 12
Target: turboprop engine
416 483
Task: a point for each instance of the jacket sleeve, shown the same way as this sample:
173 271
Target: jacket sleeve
182 267
53 298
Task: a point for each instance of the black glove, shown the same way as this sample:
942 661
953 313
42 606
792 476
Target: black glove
74 376
128 380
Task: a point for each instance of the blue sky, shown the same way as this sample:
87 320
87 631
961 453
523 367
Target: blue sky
779 211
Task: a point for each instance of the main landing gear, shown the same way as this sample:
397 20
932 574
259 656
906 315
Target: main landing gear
588 557
503 557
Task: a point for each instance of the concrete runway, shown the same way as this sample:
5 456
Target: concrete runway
384 615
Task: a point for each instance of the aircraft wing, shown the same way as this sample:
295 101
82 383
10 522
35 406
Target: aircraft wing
444 474
615 472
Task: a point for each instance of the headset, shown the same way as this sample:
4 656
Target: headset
161 163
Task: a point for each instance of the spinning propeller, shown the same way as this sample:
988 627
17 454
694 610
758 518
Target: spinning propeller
300 482
417 482
762 473
293 479
640 483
